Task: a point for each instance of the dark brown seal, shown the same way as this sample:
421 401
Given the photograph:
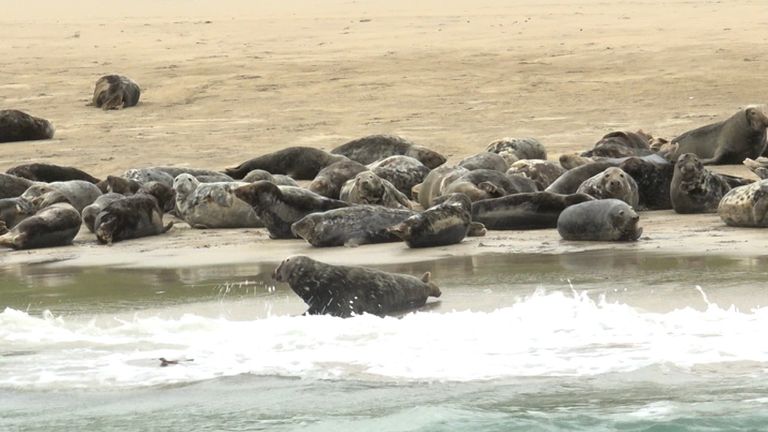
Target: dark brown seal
56 225
301 163
17 125
443 224
50 173
130 217
694 188
373 148
621 144
115 92
524 211
345 291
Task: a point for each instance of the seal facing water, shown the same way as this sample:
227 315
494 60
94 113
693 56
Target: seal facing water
130 217
344 291
115 92
745 206
695 189
17 125
600 220
350 226
444 224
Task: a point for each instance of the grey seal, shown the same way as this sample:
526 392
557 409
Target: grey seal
17 125
202 175
56 225
15 210
350 226
444 224
436 182
515 149
620 144
368 188
745 206
48 173
345 291
373 148
404 172
212 205
79 193
115 92
145 175
599 220
12 186
758 166
300 163
482 184
329 180
278 179
485 160
130 217
542 172
90 212
695 189
524 211
612 183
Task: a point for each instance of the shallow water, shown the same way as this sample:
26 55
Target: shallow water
588 341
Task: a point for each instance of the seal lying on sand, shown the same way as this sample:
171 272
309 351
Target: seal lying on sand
373 148
758 166
130 217
485 160
90 212
301 163
600 220
202 175
278 207
542 172
443 224
745 206
731 141
212 205
524 211
79 193
17 125
515 149
278 179
350 226
15 210
115 92
56 225
368 188
12 186
404 172
329 180
694 188
50 173
346 291
611 183
621 144
483 184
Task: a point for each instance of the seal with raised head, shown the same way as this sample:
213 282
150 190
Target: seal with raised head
17 125
373 148
56 225
120 185
90 212
570 181
278 179
300 163
368 188
404 172
15 210
524 211
436 182
115 92
329 180
444 224
599 220
730 141
745 206
350 226
50 173
695 189
542 172
130 217
485 160
611 183
79 193
515 149
278 207
621 144
345 291
212 205
12 186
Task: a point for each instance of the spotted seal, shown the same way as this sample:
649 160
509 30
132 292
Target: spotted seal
300 163
373 148
212 205
350 226
440 225
542 172
599 220
368 188
404 172
115 92
56 225
745 206
524 211
612 183
202 175
695 189
48 173
345 291
485 160
145 175
515 149
17 125
278 207
329 180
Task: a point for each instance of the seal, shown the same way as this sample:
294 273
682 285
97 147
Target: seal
119 185
12 186
653 176
444 224
17 125
130 217
524 211
485 160
368 188
515 149
350 226
745 206
56 225
90 212
436 182
329 180
570 161
741 136
599 220
570 181
115 92
542 172
300 163
758 166
345 291
612 183
278 179
212 205
373 148
621 144
404 172
695 189
50 173
483 184
278 207
15 210
202 175
79 193
146 175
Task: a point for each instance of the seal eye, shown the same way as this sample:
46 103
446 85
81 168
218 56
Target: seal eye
621 212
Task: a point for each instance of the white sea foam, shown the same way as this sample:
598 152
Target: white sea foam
546 334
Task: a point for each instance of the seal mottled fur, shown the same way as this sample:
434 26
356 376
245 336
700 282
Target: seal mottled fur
350 226
745 206
115 92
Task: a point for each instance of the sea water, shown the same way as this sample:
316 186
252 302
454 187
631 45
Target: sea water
588 341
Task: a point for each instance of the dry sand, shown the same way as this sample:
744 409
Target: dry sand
228 80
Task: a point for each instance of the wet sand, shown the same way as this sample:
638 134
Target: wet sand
228 81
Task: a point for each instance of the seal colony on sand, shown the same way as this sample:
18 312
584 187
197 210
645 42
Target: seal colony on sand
17 125
345 291
115 92
600 220
745 206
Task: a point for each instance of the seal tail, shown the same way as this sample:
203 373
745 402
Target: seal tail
434 290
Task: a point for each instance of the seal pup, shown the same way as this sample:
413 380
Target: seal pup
542 172
278 207
17 125
300 163
329 180
745 206
12 186
212 205
599 220
444 224
695 189
90 212
345 291
115 92
730 141
524 211
612 183
373 148
15 210
620 144
485 160
50 173
350 226
278 179
79 193
130 217
515 149
368 188
404 172
56 225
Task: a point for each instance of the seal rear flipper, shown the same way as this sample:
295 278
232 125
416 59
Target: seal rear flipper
434 290
167 227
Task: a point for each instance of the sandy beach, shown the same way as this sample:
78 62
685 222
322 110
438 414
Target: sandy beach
224 82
